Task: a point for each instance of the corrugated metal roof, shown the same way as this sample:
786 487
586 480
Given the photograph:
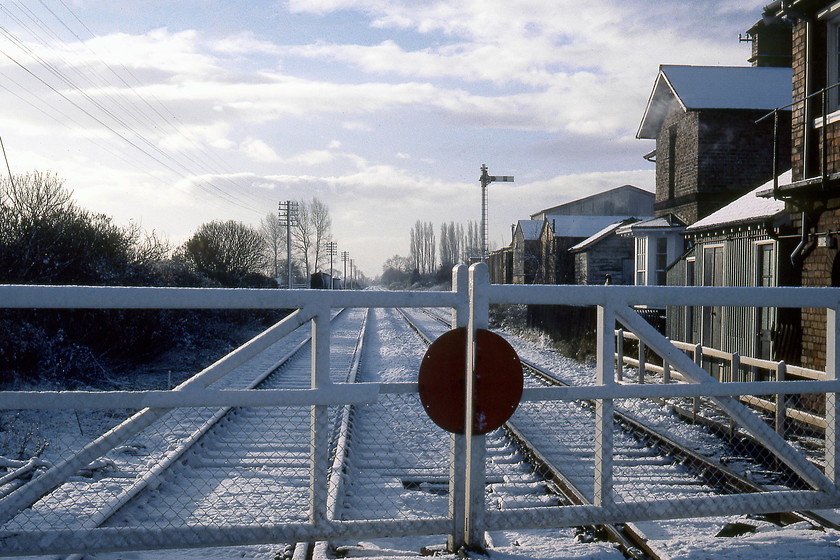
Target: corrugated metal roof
714 87
580 226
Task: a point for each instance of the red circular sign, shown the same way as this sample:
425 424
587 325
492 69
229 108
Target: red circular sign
442 381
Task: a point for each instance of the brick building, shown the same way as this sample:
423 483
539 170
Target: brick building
709 149
813 194
526 252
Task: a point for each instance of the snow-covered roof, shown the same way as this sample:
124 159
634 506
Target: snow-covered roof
748 208
580 226
659 223
600 235
530 229
714 87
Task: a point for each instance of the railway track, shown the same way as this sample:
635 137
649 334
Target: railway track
551 438
204 465
398 463
388 459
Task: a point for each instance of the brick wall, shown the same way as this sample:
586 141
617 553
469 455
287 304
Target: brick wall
798 109
818 264
818 271
686 125
719 156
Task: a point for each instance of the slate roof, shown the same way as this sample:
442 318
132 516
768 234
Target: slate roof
530 229
714 87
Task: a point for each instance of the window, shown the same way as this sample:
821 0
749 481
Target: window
831 17
672 161
833 39
765 316
661 260
641 261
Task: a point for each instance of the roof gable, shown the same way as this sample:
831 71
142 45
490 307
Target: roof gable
530 229
600 236
714 87
625 200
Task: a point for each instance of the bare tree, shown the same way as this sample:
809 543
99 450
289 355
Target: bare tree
311 232
422 247
274 234
35 196
319 213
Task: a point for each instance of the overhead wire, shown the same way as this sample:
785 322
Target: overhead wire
207 159
161 154
131 118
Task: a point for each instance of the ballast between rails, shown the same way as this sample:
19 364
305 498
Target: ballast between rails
727 479
631 547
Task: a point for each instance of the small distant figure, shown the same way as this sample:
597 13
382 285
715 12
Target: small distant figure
607 279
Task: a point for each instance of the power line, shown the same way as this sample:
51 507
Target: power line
9 169
121 107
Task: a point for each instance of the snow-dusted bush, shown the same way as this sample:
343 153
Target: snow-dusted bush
46 239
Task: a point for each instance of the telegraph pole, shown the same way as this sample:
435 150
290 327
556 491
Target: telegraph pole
486 180
331 251
345 256
352 274
288 217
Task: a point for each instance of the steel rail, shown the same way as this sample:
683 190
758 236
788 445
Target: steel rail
706 468
152 479
562 485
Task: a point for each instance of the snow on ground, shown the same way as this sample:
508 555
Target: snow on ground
681 539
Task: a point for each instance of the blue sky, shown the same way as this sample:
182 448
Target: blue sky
173 113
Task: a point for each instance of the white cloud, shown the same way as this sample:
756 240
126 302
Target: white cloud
381 129
259 151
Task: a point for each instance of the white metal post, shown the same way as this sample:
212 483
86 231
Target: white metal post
319 418
698 359
604 408
832 418
475 469
619 355
642 361
781 400
458 442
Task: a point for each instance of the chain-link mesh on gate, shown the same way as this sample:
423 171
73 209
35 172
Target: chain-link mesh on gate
397 463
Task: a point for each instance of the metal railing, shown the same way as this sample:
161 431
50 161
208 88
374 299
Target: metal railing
468 516
734 362
823 95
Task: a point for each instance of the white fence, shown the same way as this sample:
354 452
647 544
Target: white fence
468 517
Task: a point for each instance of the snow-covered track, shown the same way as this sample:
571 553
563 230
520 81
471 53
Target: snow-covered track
510 447
556 439
209 465
397 461
246 462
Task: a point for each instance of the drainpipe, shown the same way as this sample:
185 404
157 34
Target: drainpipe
807 144
796 256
